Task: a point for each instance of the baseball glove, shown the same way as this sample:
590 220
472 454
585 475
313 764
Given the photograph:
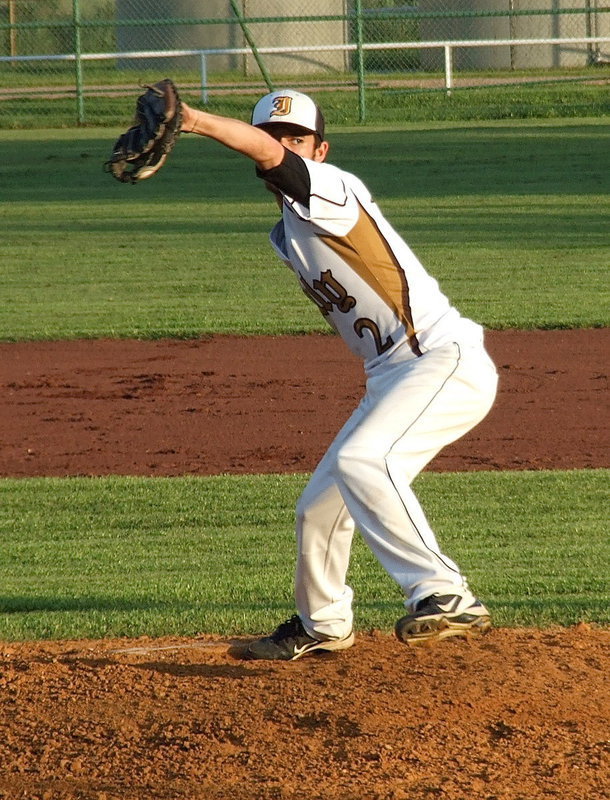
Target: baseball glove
142 150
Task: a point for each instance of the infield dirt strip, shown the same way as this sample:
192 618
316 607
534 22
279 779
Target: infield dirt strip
273 404
518 715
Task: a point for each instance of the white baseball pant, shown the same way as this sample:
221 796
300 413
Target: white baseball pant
412 408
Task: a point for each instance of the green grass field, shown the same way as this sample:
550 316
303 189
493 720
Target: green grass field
388 97
132 556
512 217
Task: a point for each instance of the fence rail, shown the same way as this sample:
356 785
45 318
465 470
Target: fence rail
348 17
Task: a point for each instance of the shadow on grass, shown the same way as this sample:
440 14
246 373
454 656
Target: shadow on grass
532 159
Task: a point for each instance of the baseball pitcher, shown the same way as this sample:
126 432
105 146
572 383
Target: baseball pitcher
429 380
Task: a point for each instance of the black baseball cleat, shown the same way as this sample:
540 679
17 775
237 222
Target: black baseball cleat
440 616
290 641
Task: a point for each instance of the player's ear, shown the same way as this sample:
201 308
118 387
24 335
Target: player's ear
321 151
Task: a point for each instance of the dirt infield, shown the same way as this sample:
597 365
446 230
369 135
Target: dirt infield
517 715
273 404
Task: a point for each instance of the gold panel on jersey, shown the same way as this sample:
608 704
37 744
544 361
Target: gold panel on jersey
368 253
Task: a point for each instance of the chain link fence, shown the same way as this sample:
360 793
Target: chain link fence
67 62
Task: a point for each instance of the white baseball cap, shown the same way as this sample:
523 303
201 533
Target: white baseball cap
289 107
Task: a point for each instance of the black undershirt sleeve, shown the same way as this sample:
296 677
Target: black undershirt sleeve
291 177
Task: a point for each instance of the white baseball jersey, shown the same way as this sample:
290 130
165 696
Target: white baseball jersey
363 277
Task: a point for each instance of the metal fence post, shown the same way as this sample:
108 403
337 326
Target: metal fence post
252 45
448 68
204 79
78 65
12 34
360 61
